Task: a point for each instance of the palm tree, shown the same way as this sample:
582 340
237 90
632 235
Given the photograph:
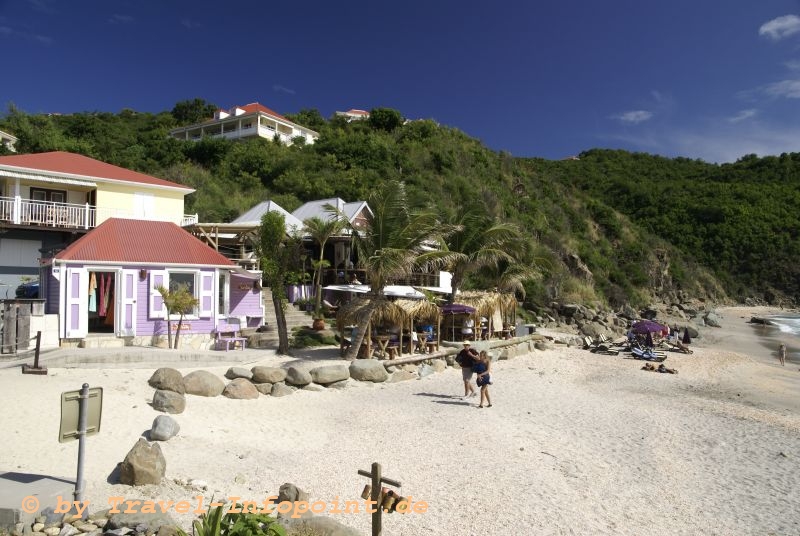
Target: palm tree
321 230
279 253
479 242
180 301
393 242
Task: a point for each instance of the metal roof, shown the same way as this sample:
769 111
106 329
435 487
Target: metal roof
141 242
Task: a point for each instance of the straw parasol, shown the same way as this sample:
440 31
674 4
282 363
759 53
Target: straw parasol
487 303
365 311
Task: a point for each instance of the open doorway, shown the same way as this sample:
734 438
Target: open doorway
101 301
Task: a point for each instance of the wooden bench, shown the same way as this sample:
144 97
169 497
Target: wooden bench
231 341
229 335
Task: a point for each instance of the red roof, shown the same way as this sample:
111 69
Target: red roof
256 107
140 241
76 164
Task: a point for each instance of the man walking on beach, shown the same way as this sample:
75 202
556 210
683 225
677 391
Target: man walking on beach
782 354
467 358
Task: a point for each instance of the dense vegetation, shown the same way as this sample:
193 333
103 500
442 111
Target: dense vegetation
612 226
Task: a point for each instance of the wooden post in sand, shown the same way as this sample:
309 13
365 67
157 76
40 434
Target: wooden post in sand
375 496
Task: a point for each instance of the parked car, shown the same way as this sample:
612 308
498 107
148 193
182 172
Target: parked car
29 290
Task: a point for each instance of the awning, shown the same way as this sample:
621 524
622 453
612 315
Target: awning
399 291
247 274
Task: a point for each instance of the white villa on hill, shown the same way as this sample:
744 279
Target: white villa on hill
354 115
246 121
8 140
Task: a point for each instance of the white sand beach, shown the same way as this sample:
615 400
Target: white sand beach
575 443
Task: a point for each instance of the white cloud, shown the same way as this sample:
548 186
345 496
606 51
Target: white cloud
792 65
715 141
780 27
277 88
42 5
742 115
634 117
190 24
116 18
6 31
785 88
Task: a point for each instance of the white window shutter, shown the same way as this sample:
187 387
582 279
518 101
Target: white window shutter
206 294
156 307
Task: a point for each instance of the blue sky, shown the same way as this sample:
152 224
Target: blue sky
708 79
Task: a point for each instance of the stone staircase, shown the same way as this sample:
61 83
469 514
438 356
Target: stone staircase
269 339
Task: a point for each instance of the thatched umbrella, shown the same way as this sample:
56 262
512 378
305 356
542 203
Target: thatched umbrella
486 303
422 311
364 311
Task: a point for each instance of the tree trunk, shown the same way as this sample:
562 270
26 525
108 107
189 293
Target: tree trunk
280 319
363 328
318 294
169 331
178 330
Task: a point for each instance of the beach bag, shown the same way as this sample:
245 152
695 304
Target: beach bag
459 358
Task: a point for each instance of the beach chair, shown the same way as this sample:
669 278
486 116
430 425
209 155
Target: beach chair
648 354
605 349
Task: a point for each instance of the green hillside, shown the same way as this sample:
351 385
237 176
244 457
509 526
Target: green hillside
612 226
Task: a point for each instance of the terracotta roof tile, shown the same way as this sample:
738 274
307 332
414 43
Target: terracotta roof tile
141 241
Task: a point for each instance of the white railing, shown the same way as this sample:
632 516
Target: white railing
67 215
46 213
189 219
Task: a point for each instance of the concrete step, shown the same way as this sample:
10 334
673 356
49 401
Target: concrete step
110 341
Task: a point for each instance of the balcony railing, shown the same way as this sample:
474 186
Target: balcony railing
64 215
46 213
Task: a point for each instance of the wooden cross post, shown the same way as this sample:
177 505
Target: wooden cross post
375 496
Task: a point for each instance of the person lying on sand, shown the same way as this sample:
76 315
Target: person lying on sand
660 368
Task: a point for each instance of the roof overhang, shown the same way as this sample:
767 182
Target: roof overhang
38 177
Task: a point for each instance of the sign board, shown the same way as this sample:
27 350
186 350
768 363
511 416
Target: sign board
70 414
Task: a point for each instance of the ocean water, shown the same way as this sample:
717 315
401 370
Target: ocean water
786 329
789 324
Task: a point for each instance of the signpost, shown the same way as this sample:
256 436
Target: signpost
80 417
377 480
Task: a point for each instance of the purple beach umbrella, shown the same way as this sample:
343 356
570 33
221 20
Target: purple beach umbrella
647 326
649 341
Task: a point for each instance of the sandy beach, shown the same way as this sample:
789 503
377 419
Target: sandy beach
575 443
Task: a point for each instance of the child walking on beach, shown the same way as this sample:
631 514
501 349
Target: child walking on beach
782 354
483 368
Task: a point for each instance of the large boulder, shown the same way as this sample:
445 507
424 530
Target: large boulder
240 389
264 388
144 464
238 372
203 383
268 374
281 389
298 376
318 525
327 374
164 428
169 401
151 523
168 379
368 370
713 319
594 329
403 375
